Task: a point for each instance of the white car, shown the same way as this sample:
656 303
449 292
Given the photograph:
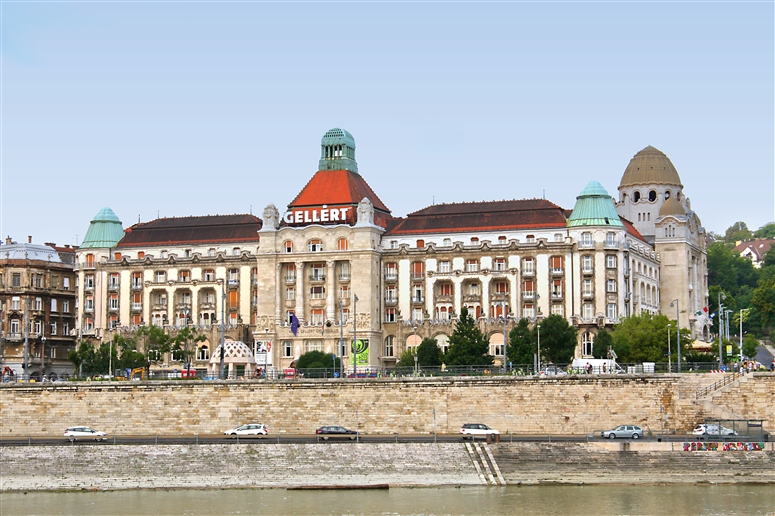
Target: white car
472 430
249 429
84 432
712 430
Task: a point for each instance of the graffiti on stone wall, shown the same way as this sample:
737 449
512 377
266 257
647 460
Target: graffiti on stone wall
714 446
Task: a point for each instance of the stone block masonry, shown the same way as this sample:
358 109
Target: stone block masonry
560 405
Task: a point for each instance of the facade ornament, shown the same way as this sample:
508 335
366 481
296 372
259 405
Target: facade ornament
365 213
271 218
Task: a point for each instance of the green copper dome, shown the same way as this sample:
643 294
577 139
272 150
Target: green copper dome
594 207
105 230
337 151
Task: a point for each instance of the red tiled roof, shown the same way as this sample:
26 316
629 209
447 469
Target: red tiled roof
193 230
631 229
336 187
488 215
757 248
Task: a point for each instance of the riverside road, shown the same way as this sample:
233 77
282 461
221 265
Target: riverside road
307 439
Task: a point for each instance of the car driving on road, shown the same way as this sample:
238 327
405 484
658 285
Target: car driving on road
335 431
255 429
84 432
624 431
472 430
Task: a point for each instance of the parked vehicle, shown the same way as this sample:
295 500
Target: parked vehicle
553 370
84 432
473 430
336 431
712 430
255 429
624 431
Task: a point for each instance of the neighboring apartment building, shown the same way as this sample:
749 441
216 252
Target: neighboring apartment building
172 272
37 308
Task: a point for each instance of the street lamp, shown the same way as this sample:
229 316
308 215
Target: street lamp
266 351
677 332
414 341
538 328
505 345
669 354
726 322
721 296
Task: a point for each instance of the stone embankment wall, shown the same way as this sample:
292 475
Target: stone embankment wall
564 405
98 467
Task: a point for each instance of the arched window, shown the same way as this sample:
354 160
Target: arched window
587 343
315 246
288 246
342 244
390 341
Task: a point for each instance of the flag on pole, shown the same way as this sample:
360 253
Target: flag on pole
294 324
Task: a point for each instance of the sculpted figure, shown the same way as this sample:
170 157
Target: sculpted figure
365 213
271 218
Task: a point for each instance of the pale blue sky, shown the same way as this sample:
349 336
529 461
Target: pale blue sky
204 108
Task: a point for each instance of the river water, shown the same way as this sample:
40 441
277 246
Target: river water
724 500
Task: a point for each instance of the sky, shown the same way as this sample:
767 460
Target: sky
173 109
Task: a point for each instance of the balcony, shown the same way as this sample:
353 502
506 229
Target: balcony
207 305
444 298
317 278
113 308
611 244
344 277
418 276
391 301
528 295
472 298
528 273
290 279
418 299
587 244
587 271
13 337
391 276
113 287
88 309
87 265
500 296
137 285
160 307
557 295
136 307
588 294
88 288
557 271
233 282
183 307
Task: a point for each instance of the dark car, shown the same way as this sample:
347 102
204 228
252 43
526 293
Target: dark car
336 431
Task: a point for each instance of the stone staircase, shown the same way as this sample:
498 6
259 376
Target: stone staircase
484 462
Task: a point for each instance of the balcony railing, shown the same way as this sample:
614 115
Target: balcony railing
233 282
611 244
586 244
587 270
88 309
113 287
391 276
88 288
418 275
137 285
588 294
290 279
344 277
528 294
418 299
317 277
137 307
113 308
557 271
557 295
444 298
528 272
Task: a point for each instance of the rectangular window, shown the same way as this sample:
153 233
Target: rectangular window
611 311
38 303
53 305
208 275
16 303
588 311
315 246
528 311
66 306
420 244
610 239
391 271
446 289
290 272
610 261
344 271
586 263
473 289
586 287
499 264
290 294
184 276
53 328
233 277
445 266
418 270
161 276
528 289
502 287
472 265
37 327
15 327
317 293
113 302
390 315
345 315
88 282
113 281
417 314
417 296
313 345
530 239
586 239
528 266
390 294
557 309
611 285
389 346
16 279
287 349
39 281
233 299
344 292
317 272
66 328
66 283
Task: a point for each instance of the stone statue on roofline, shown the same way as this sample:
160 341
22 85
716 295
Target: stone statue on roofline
365 213
271 218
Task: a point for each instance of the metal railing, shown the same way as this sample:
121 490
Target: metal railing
725 380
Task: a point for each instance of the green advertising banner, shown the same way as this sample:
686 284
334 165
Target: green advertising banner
361 352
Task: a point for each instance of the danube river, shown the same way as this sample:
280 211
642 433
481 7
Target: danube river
724 500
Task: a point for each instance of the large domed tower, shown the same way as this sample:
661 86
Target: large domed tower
651 197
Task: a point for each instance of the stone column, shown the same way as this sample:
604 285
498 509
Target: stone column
429 296
330 294
485 295
457 282
300 291
279 299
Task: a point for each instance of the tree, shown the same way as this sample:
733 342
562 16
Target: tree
318 360
766 231
185 344
763 300
428 353
641 338
522 344
407 358
558 340
603 341
129 357
467 344
737 232
728 270
750 346
156 343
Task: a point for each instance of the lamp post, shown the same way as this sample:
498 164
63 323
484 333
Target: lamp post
223 326
505 342
538 328
721 296
669 354
355 336
266 351
741 336
42 353
726 322
341 338
414 341
678 341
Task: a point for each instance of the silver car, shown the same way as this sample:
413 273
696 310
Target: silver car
257 429
84 432
623 431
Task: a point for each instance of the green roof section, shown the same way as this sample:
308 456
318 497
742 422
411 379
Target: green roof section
105 230
594 207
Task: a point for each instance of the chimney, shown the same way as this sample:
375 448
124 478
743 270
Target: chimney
51 244
29 239
8 240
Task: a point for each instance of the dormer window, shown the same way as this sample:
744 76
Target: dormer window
474 241
531 239
420 244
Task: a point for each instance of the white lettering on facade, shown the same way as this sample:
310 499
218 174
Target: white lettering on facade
312 216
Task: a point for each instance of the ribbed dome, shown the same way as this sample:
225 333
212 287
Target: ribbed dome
105 230
650 166
671 207
594 207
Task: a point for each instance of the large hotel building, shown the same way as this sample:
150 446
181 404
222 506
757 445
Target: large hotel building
340 263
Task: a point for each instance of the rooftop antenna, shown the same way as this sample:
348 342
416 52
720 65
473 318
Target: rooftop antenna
543 194
434 200
138 218
157 214
251 209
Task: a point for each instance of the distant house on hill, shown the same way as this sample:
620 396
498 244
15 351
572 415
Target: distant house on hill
754 250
